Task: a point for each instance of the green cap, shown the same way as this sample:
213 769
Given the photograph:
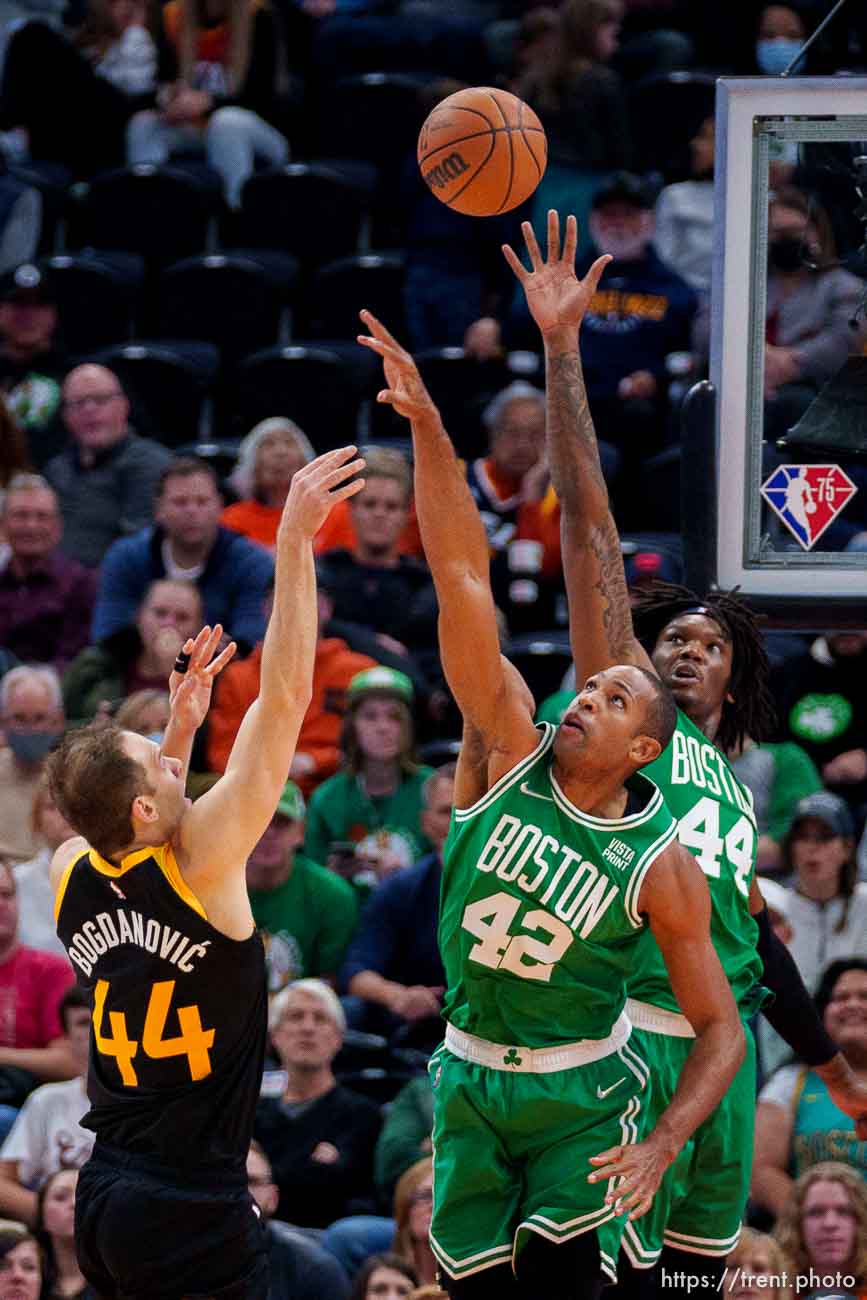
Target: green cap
291 803
388 681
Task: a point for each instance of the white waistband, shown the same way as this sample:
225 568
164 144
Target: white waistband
656 1020
528 1060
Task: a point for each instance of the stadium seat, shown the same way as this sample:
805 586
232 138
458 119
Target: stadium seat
380 1086
311 210
340 289
167 384
374 115
435 753
164 213
52 180
665 111
320 387
541 658
461 388
234 300
95 297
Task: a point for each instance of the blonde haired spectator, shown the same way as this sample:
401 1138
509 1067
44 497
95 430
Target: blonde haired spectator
267 460
755 1260
35 895
413 1206
145 712
823 1227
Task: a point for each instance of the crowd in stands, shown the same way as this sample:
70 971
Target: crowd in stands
195 199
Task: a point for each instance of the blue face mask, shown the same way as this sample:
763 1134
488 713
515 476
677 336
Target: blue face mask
156 736
774 56
32 746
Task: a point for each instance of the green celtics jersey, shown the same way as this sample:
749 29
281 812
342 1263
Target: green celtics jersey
717 824
538 911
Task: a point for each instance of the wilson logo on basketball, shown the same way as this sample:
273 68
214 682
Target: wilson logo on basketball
447 171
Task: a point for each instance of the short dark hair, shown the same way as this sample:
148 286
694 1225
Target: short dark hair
74 999
186 467
660 720
93 781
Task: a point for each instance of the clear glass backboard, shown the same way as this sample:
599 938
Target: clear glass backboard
792 456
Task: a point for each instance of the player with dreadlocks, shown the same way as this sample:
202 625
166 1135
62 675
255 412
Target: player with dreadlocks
708 650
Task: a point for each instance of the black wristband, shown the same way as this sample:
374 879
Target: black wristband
182 662
792 1013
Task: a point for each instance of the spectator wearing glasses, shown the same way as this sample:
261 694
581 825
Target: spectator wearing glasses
106 476
828 908
300 1270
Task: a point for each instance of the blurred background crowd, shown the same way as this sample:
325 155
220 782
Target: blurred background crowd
195 200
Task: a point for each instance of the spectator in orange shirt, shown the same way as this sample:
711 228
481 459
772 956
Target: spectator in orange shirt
267 459
318 751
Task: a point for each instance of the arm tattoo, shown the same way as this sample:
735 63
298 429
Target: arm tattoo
611 586
572 448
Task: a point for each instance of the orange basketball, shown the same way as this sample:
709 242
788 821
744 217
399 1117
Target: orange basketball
482 151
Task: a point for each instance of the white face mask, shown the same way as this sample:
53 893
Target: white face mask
624 246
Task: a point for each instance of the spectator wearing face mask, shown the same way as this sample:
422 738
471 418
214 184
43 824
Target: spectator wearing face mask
32 721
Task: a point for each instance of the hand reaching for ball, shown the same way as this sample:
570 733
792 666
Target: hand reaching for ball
406 391
557 299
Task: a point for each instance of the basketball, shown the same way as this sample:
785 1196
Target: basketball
482 151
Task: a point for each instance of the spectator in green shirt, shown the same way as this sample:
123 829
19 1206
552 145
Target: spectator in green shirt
306 915
376 802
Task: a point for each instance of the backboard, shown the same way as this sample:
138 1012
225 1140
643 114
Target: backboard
791 474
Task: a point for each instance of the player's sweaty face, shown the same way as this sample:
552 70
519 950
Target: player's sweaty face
693 657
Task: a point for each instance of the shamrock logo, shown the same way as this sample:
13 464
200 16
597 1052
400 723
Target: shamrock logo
512 1057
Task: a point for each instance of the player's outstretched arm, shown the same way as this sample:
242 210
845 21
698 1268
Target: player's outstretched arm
219 831
456 549
676 900
190 690
600 621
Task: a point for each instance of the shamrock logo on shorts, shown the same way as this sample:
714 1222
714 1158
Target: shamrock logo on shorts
512 1057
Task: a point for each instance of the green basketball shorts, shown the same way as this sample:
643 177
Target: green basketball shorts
701 1201
512 1151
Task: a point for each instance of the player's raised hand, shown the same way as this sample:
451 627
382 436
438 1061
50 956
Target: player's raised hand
557 299
316 488
190 691
638 1168
406 391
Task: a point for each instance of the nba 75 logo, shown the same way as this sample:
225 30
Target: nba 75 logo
808 498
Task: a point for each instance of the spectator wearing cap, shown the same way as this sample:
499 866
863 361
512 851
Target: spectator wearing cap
374 584
186 543
32 360
828 909
317 754
641 312
394 963
376 801
46 599
305 914
106 476
267 460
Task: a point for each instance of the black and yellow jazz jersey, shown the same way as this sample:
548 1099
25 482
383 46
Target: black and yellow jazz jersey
179 1010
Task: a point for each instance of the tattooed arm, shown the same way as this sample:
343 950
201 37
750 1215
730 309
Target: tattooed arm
600 620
